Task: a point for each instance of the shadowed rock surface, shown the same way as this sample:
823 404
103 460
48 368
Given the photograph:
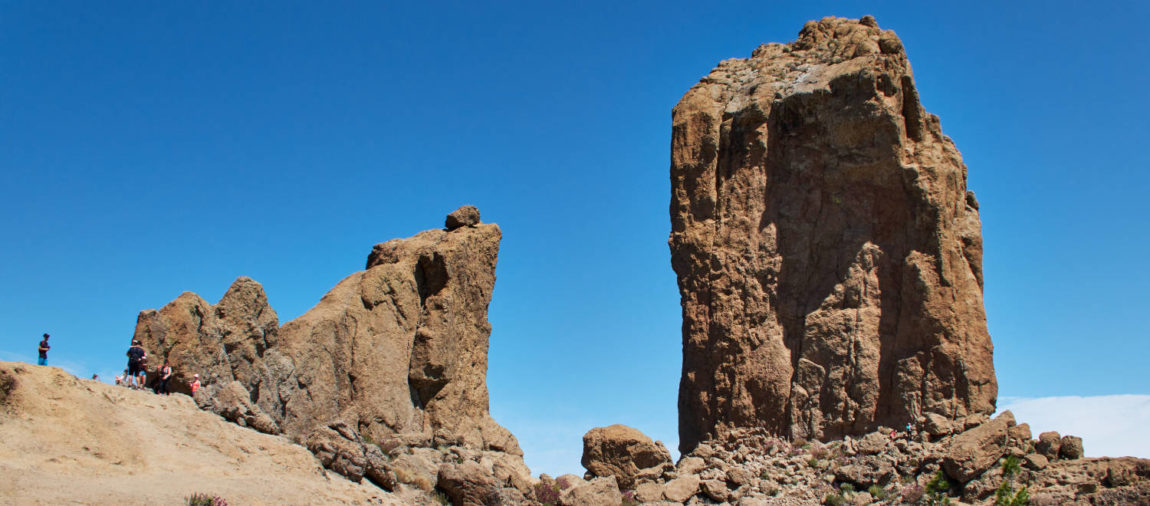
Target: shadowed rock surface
828 253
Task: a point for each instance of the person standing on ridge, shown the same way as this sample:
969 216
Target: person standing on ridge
136 356
43 360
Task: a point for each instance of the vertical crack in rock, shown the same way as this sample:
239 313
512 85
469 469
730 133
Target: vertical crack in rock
827 250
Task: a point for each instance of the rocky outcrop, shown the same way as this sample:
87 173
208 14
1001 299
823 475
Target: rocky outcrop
622 452
231 343
828 252
974 451
396 352
888 466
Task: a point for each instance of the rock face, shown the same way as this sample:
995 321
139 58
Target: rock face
396 352
230 342
622 452
828 253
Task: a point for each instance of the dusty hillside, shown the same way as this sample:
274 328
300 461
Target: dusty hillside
72 441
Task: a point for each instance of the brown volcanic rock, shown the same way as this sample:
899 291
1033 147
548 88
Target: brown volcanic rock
974 451
402 346
622 452
225 343
466 216
828 252
397 351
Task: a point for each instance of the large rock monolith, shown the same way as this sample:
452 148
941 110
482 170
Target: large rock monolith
828 252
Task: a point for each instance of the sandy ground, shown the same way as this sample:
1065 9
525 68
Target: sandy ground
65 440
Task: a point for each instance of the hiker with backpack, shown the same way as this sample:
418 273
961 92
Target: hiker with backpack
136 358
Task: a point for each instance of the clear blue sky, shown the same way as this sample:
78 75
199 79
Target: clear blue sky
148 148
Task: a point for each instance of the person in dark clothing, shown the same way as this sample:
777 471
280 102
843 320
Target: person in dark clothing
43 360
136 357
164 373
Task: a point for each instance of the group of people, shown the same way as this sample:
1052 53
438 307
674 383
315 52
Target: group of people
135 376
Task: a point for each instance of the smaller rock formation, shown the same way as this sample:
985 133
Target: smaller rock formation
339 448
974 451
230 345
466 216
603 491
622 452
394 354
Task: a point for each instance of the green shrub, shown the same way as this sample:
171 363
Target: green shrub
1005 495
937 490
1010 467
877 492
834 500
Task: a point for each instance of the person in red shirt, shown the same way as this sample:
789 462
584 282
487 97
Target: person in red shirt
195 383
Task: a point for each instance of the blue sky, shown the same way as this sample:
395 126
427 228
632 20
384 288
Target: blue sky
148 148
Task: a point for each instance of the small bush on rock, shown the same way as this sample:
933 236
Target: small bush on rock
202 499
834 500
548 494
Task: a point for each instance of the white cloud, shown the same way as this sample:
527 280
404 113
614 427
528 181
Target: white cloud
1109 425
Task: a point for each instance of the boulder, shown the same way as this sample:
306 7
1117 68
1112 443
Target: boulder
467 484
603 490
233 402
682 488
827 249
977 449
1020 435
1048 444
466 216
648 492
340 449
1070 448
716 490
690 465
1035 461
622 452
